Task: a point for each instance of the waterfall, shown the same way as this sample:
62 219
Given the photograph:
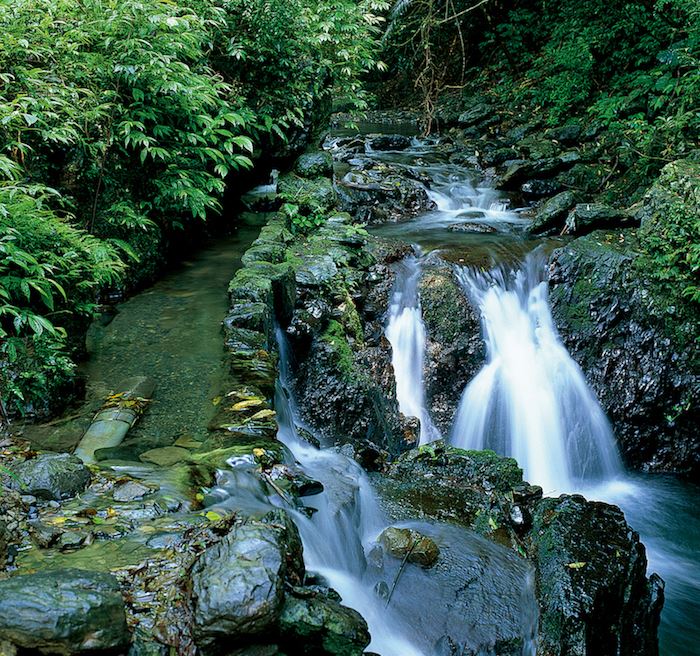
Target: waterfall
530 400
339 540
406 334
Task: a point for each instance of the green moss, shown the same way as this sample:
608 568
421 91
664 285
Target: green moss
335 336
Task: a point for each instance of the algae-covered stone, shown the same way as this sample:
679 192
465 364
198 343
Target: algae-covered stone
320 624
249 315
411 545
52 476
65 611
314 165
316 270
390 142
472 488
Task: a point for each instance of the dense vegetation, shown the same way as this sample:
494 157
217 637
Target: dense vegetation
122 122
627 72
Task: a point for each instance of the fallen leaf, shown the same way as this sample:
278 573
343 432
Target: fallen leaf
578 565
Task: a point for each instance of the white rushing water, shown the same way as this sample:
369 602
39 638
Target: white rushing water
405 331
410 619
530 400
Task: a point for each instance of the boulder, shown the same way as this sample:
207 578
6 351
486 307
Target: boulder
382 194
238 584
411 545
314 165
319 624
594 595
390 142
631 338
540 188
65 611
477 113
549 217
454 349
52 476
587 217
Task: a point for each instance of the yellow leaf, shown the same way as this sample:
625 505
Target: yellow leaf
492 523
199 496
56 520
576 565
258 453
248 403
212 516
216 400
263 414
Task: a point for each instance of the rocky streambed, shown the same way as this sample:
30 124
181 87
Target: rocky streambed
307 518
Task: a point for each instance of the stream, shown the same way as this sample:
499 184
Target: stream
530 400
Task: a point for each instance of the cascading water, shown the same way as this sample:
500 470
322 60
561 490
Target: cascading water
406 334
530 400
340 544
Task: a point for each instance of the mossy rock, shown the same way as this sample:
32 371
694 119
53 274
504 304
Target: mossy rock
264 252
310 195
314 165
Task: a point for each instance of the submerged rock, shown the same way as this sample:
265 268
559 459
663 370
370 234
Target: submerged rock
390 142
66 611
52 476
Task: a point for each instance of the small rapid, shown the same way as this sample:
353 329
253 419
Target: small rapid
339 530
530 400
405 332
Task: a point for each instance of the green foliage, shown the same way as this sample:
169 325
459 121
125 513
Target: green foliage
670 236
122 121
303 219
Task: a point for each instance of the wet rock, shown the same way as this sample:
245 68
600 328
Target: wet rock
293 479
567 135
454 348
316 270
238 584
130 491
382 194
251 316
549 217
587 217
411 545
390 142
521 171
633 348
65 611
166 456
477 113
540 188
314 165
594 596
52 476
586 179
320 624
472 488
